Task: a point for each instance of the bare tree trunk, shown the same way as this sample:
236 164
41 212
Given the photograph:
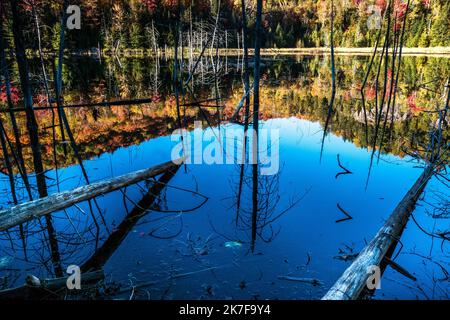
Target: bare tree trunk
28 100
33 130
333 82
366 78
257 64
246 76
398 69
246 80
258 31
47 92
20 161
176 81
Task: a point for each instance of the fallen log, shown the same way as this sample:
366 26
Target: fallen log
353 281
34 209
86 105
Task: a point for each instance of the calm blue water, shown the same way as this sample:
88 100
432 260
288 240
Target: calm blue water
207 253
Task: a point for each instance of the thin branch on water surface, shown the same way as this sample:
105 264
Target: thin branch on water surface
199 102
172 236
444 271
346 171
349 217
153 208
444 236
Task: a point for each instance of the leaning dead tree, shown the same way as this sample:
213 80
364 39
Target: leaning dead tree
30 210
353 282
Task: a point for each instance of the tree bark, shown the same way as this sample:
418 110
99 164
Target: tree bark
43 206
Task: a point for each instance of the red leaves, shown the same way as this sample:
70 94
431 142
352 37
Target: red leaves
370 93
426 3
151 5
399 9
27 5
156 98
399 12
14 94
411 103
411 99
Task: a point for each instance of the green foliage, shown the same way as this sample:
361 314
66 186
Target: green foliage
440 30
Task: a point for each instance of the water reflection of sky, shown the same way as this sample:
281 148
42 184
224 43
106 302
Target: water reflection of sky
307 237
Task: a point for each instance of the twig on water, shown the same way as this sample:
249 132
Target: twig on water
346 171
349 217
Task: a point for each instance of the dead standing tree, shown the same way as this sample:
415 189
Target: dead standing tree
246 80
32 127
255 146
17 154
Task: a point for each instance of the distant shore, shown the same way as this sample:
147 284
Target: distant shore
433 51
443 52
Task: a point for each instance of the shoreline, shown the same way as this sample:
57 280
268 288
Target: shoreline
440 52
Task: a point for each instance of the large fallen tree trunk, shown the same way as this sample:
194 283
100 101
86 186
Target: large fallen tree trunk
27 211
354 280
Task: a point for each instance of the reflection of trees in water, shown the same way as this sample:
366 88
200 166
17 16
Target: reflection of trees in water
256 204
79 240
304 98
255 200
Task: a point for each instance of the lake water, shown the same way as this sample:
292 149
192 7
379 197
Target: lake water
195 243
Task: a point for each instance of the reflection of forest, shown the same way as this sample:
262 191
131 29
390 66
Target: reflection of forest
291 87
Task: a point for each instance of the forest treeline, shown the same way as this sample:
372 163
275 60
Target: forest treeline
286 23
